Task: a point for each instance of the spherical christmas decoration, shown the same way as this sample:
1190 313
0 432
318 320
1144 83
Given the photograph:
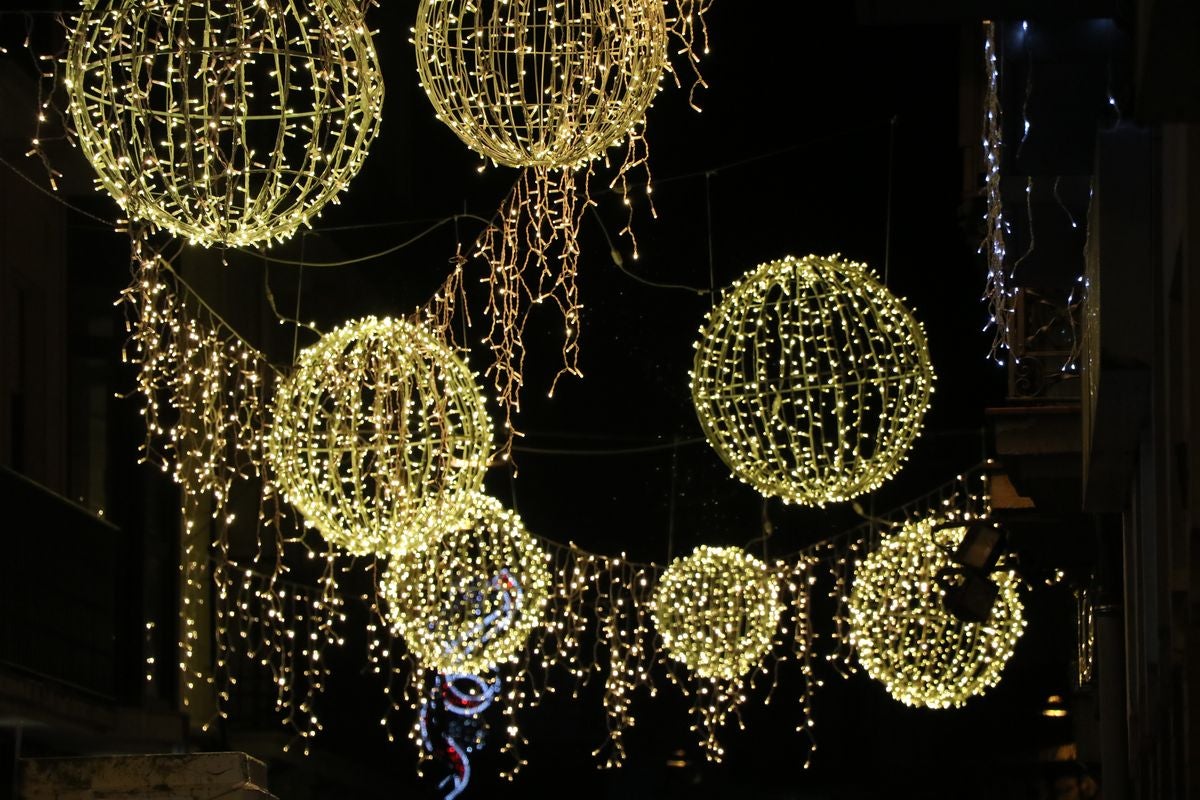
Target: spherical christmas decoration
541 83
716 611
467 600
224 121
379 433
904 637
811 380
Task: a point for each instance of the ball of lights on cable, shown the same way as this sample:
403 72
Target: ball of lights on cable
540 83
811 380
225 122
467 600
378 434
716 611
906 640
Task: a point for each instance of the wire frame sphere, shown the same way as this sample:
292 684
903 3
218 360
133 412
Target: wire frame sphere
811 380
468 600
716 611
907 641
380 431
541 83
224 121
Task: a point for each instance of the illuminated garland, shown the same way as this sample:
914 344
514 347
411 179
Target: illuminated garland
224 122
997 294
811 380
468 599
204 394
547 87
535 83
906 640
718 611
596 622
378 434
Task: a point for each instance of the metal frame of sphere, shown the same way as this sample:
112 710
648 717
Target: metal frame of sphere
539 83
717 610
468 599
905 639
380 432
225 122
811 380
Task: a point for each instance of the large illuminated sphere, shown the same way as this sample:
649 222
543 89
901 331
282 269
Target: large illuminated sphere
380 431
541 83
907 641
468 600
716 611
224 122
811 380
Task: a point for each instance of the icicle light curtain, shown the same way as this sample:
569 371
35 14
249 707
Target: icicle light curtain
546 86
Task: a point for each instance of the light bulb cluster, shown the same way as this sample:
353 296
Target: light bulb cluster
468 599
904 637
718 612
811 380
227 122
378 435
541 83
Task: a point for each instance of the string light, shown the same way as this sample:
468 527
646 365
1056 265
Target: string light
534 83
468 599
548 87
380 432
717 611
904 637
596 619
996 294
811 380
225 122
204 393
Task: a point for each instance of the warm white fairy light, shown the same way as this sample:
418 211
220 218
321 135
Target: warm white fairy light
717 611
204 392
548 86
380 431
468 599
597 616
541 83
811 380
904 637
224 122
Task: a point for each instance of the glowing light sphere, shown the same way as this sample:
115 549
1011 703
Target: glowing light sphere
716 611
224 121
811 380
541 83
907 641
467 600
379 432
